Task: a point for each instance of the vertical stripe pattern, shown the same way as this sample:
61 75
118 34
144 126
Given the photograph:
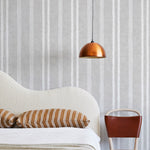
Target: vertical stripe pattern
43 45
31 43
2 34
147 73
126 64
7 36
89 63
77 42
72 41
118 69
60 53
51 118
113 55
19 41
48 44
102 61
130 34
7 119
118 48
142 68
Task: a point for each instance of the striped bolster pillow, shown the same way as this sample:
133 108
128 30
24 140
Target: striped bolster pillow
52 118
7 119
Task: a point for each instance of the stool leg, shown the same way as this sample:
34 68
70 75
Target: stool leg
136 144
110 144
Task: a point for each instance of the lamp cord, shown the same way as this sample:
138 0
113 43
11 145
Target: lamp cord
92 19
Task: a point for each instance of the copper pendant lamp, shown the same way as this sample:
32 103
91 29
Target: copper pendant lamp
92 49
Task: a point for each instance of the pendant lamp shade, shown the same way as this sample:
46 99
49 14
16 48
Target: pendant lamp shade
92 50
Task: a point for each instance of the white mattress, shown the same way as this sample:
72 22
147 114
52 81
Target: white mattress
49 138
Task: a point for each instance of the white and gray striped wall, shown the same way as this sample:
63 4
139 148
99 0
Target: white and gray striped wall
40 42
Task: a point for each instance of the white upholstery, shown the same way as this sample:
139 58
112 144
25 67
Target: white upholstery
18 99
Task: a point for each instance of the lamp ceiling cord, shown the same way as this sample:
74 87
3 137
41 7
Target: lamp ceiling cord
92 20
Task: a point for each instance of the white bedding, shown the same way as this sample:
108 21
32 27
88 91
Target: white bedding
73 138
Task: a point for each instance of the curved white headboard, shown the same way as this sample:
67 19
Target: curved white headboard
18 99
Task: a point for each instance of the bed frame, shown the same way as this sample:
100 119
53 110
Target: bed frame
18 99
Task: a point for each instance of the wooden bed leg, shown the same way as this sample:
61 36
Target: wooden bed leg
110 144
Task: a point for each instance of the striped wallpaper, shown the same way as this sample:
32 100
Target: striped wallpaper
40 42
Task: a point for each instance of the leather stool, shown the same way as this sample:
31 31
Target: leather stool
123 126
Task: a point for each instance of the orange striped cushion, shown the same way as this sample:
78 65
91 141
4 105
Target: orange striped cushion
52 118
7 119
